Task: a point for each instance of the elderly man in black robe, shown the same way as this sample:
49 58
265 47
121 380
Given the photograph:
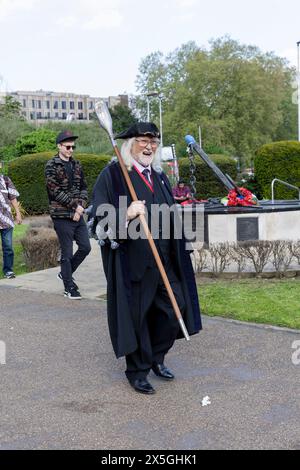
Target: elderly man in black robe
143 326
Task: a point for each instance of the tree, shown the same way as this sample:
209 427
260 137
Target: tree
240 96
11 108
122 118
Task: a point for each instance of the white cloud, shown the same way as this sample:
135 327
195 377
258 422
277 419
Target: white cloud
108 19
8 7
100 14
186 3
182 19
184 13
67 22
91 15
86 15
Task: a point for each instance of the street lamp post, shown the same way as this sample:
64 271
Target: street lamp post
155 94
298 81
200 136
148 109
160 120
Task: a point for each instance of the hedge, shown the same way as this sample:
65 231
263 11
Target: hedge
41 248
28 175
208 185
278 160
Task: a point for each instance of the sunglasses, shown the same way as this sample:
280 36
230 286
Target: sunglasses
69 147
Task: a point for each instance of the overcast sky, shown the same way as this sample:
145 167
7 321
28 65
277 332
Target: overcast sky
95 46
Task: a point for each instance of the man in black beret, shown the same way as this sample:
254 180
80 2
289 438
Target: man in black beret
142 323
67 192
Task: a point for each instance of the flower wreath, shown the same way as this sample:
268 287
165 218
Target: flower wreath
245 198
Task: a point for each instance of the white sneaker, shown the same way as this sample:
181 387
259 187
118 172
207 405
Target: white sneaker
10 275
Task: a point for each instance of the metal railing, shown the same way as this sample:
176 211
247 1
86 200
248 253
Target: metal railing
285 184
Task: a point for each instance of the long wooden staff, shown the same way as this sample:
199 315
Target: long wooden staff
105 121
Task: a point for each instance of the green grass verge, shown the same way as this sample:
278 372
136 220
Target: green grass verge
273 302
19 263
19 231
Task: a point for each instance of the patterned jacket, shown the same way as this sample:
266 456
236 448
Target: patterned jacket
65 195
8 192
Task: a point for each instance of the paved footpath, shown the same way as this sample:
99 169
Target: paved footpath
90 278
62 388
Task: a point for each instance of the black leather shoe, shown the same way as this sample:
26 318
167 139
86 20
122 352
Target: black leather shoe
142 386
162 371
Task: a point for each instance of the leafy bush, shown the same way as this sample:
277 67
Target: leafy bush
42 222
24 138
10 131
214 149
92 139
28 174
207 183
40 140
41 248
278 160
8 153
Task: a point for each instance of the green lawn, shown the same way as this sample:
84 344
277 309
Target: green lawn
275 302
19 265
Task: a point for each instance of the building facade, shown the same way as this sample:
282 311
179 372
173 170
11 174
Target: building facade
47 105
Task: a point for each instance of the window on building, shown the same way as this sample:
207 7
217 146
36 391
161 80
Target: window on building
39 104
64 115
64 105
56 115
48 104
72 105
48 115
80 116
32 116
39 115
33 103
24 103
80 105
91 105
55 106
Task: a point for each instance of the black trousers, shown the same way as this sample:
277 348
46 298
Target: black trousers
68 231
156 324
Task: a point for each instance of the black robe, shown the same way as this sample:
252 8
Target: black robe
126 264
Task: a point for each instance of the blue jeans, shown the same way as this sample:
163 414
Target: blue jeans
8 253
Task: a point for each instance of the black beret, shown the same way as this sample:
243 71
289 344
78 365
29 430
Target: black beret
139 129
65 135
